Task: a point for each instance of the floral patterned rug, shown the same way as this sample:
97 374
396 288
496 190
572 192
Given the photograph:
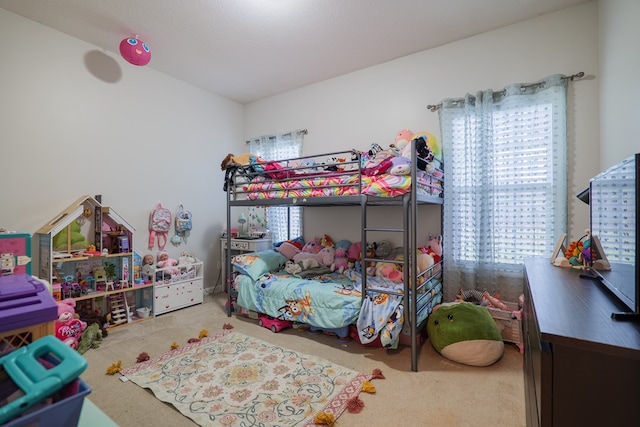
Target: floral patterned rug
231 379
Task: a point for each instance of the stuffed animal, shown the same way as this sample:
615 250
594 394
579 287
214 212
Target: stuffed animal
465 333
244 159
325 257
389 271
371 265
434 248
382 248
424 262
354 252
90 338
340 262
312 246
432 143
288 249
326 241
345 244
402 140
400 166
164 262
292 268
67 327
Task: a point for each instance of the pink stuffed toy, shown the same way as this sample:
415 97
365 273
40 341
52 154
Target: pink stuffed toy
434 248
340 262
288 249
389 270
325 257
312 246
67 328
354 253
164 261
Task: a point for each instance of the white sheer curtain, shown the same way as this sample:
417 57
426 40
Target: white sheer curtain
284 223
505 183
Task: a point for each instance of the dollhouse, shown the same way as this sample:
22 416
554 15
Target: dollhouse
86 251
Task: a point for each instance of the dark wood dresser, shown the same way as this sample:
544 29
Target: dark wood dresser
581 367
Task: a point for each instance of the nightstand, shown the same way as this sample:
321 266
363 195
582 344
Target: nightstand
239 246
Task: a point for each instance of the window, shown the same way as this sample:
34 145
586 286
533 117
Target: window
283 222
505 183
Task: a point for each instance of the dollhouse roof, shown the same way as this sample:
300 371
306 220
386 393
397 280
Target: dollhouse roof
74 210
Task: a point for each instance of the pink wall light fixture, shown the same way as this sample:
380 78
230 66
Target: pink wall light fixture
135 51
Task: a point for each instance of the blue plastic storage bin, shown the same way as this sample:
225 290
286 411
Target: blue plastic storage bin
64 413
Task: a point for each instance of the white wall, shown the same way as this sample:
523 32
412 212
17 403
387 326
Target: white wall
75 120
373 104
619 89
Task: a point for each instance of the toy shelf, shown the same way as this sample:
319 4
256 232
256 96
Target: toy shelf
83 257
99 294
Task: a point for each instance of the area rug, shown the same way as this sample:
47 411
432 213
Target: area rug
233 379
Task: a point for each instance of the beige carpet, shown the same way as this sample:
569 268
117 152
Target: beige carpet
441 393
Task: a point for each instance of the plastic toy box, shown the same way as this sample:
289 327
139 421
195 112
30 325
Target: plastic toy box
65 413
40 385
27 310
15 253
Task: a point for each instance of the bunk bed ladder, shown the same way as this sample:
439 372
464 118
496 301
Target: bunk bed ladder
408 263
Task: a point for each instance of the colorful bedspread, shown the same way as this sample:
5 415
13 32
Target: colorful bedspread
328 302
385 185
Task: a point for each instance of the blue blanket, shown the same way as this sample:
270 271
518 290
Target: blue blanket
382 314
329 301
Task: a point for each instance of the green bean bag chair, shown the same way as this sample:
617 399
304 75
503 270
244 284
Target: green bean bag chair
465 333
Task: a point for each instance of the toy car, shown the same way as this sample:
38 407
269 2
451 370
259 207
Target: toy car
276 325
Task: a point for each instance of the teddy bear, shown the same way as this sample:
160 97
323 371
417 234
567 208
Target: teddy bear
164 262
67 327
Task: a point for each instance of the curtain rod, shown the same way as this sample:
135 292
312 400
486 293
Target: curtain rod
576 76
302 131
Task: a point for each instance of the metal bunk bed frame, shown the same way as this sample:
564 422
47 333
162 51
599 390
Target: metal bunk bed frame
409 230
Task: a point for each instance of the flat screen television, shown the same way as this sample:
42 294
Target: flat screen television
613 206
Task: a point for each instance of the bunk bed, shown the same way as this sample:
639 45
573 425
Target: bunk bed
335 300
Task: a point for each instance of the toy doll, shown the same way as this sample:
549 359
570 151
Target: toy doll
147 268
164 261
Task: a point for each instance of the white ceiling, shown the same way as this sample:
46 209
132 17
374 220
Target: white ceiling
246 50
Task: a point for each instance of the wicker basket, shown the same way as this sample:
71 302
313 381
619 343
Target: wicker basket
510 326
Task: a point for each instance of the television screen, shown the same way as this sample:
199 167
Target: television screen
613 205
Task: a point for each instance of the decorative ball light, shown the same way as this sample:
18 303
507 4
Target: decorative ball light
135 51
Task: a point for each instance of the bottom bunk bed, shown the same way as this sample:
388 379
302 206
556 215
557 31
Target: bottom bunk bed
330 301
